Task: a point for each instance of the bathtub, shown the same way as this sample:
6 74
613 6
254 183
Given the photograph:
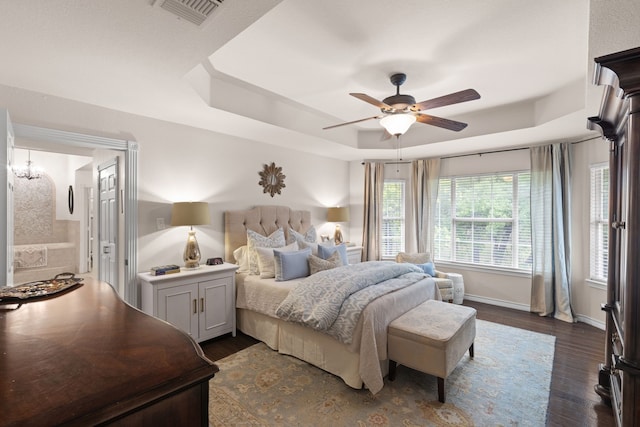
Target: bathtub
43 261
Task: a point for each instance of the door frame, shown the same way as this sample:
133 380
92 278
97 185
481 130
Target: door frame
130 193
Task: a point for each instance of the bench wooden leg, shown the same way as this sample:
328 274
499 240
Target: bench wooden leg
392 370
441 389
471 351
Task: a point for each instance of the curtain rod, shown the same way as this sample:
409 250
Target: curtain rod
389 162
514 149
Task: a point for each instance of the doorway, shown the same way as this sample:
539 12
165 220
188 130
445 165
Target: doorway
51 139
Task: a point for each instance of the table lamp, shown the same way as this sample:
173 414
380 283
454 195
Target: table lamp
190 213
336 215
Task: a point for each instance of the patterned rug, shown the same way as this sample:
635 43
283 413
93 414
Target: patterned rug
506 384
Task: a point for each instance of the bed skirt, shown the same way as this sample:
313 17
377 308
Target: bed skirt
299 341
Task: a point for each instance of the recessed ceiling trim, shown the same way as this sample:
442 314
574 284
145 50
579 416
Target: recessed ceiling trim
194 11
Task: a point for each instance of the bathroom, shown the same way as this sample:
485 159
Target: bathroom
53 214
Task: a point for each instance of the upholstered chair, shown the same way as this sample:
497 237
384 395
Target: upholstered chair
450 284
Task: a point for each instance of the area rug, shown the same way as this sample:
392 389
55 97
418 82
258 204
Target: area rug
506 384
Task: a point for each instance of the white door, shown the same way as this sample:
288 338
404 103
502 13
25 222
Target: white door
6 199
108 220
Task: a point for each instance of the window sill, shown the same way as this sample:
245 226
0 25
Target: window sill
445 266
595 284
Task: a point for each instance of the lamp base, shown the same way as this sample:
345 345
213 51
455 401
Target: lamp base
337 236
191 252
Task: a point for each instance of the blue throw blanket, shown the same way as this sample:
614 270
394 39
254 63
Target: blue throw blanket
332 300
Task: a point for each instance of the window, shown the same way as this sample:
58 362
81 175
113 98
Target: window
599 248
484 220
392 236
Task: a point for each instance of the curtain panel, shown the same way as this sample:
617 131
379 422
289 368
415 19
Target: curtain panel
372 222
425 175
551 231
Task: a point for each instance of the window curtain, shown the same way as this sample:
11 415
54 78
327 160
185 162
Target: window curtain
425 175
551 231
373 186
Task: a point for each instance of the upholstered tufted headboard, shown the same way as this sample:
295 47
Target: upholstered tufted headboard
261 219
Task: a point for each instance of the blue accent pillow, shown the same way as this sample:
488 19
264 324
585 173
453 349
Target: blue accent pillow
325 251
291 264
428 268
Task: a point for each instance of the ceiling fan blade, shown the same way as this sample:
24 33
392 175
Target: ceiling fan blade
452 98
440 122
372 101
355 121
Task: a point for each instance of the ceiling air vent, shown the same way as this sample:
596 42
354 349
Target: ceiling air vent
195 11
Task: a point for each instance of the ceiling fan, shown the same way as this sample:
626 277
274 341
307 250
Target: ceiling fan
400 111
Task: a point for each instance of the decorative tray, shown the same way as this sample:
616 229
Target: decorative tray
40 288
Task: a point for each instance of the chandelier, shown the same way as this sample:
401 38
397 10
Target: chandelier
28 171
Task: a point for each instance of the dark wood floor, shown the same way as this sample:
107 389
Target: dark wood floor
579 350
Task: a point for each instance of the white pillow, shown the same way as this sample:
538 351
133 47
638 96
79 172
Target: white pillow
255 240
266 260
241 256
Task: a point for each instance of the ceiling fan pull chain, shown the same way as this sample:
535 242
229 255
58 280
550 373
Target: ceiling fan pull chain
398 157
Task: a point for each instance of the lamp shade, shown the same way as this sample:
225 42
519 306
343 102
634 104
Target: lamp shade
398 124
190 213
338 214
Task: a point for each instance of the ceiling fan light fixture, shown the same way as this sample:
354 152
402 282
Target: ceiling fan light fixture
398 124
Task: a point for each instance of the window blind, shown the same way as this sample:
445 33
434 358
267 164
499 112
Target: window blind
393 219
599 229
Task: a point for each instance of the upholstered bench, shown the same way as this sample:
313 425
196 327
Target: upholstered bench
431 338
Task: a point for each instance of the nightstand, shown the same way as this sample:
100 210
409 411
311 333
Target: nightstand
354 254
200 302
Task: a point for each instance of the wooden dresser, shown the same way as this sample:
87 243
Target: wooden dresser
85 357
619 123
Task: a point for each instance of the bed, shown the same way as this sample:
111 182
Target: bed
363 361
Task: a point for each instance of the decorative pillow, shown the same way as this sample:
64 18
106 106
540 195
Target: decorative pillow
266 260
413 258
324 251
241 256
312 246
309 236
291 265
428 268
318 264
255 240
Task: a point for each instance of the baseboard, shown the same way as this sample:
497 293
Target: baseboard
498 302
590 321
523 307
